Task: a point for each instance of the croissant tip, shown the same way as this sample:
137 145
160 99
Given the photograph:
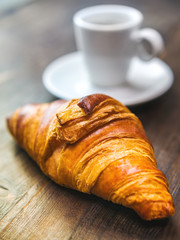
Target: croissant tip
157 211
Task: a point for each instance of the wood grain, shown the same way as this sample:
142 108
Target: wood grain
32 34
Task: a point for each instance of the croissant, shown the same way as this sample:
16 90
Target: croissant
95 145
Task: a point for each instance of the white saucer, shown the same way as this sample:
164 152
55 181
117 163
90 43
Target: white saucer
67 78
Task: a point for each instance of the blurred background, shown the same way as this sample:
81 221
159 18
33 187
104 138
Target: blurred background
35 32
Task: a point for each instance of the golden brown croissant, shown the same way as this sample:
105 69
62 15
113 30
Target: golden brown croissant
95 145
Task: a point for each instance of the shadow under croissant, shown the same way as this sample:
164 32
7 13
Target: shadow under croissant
106 219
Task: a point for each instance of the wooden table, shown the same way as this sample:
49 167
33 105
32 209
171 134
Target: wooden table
32 34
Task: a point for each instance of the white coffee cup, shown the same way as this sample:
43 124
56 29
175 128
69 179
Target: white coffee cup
109 37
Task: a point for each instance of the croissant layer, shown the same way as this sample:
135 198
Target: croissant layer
95 145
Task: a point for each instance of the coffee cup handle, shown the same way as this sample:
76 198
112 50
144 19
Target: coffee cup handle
150 43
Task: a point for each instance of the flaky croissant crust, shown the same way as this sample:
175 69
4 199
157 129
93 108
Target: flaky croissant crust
95 145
